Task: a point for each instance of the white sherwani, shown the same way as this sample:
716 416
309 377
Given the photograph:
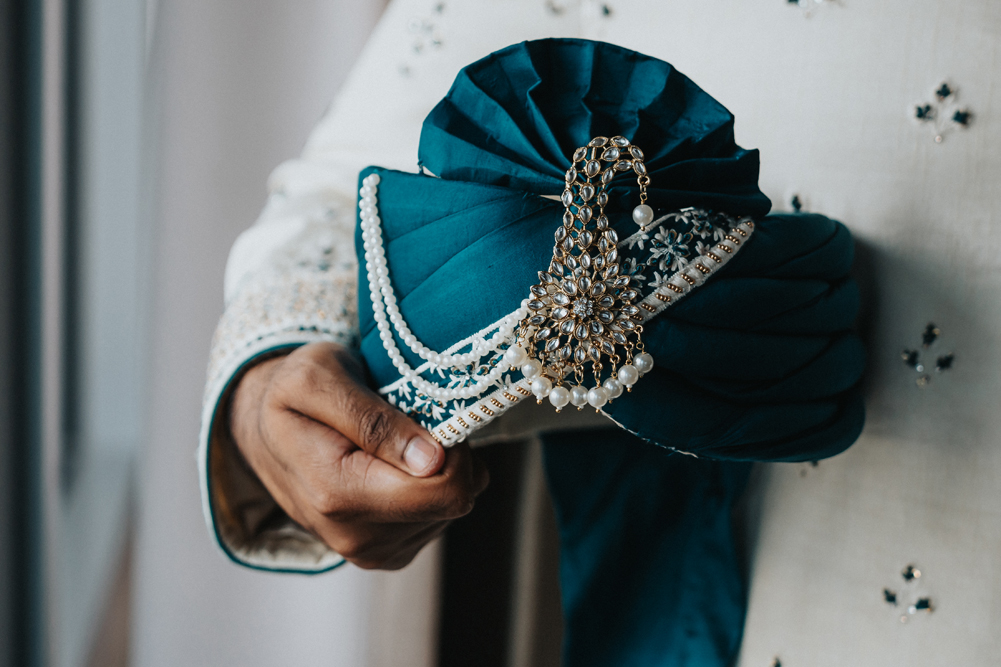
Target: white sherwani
829 96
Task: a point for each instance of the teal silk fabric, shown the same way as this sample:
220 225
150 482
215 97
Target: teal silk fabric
758 364
650 572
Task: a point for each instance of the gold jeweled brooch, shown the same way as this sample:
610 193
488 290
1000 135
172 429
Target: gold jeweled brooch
582 311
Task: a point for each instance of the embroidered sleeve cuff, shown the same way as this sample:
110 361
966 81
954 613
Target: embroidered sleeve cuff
265 319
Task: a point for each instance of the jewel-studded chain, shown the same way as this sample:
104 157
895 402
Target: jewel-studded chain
582 310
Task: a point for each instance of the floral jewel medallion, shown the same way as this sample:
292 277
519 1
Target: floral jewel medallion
583 318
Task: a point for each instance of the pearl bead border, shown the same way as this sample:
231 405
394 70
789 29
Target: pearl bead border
492 405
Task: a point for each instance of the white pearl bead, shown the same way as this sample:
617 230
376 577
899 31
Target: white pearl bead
613 387
541 386
642 215
531 368
559 397
516 355
628 375
643 363
578 396
597 397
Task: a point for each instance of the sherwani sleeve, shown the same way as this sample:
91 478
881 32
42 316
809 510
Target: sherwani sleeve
291 279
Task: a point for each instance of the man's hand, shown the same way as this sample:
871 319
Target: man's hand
343 463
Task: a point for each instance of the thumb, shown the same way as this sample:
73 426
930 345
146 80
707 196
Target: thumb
386 433
329 390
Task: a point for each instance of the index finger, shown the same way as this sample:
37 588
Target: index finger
326 389
388 495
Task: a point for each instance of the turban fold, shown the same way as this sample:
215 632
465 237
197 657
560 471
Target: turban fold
758 363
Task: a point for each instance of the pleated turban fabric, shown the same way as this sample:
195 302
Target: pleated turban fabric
758 363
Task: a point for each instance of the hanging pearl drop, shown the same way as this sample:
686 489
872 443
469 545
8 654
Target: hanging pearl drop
597 397
643 363
541 386
613 387
578 396
516 355
628 375
559 397
642 215
531 368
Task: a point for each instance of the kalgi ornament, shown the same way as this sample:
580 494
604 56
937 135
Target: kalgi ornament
582 317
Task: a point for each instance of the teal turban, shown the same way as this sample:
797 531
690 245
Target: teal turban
759 363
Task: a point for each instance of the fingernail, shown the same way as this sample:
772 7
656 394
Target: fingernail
419 454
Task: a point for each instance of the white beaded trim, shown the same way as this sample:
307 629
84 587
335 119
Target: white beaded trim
387 314
469 418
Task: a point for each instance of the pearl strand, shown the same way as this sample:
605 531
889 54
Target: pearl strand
479 349
384 301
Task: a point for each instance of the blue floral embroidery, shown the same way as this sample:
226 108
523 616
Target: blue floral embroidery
671 249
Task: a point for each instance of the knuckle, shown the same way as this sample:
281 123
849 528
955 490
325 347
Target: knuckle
328 502
397 563
374 426
463 503
351 549
289 379
457 501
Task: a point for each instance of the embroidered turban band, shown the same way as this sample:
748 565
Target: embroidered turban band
591 236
